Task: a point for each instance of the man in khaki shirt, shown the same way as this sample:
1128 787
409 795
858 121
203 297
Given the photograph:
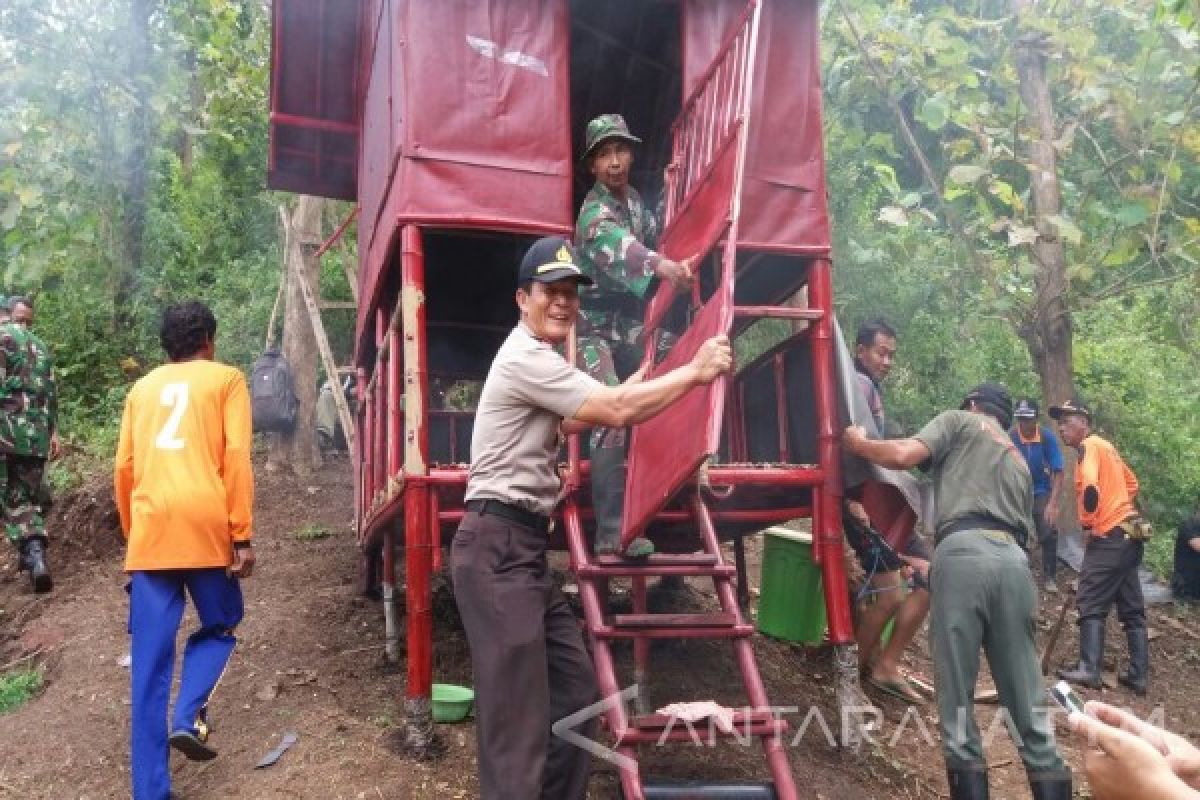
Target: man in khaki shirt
527 653
981 588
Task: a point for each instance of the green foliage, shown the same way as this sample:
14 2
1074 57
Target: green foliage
67 101
1159 555
1124 81
18 687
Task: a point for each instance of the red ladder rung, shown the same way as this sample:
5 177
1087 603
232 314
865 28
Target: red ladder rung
630 569
658 722
778 312
660 560
701 732
717 619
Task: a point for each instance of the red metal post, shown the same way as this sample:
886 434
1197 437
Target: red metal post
417 536
827 518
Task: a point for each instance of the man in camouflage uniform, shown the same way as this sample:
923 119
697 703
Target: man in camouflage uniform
28 415
614 236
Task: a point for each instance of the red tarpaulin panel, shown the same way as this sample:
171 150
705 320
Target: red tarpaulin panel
314 97
478 115
667 450
783 200
890 512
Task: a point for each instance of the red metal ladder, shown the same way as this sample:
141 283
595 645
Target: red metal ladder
704 185
630 730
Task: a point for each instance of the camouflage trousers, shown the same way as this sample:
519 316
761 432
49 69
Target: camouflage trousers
21 479
611 360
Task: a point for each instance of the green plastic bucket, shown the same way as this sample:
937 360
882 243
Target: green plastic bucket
791 602
451 703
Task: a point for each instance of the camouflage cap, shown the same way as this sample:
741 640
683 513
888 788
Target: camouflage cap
606 126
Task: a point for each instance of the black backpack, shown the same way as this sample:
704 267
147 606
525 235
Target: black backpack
272 393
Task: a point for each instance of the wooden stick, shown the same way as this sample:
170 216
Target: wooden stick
331 371
1048 650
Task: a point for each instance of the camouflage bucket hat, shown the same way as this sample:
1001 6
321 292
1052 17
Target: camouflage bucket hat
606 126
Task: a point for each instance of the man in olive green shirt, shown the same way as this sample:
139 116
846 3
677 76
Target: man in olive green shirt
982 590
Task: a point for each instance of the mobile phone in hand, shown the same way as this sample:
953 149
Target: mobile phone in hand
1066 697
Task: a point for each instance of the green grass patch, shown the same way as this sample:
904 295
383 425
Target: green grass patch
18 687
312 533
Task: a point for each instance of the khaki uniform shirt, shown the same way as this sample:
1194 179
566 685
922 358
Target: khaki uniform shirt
529 390
977 471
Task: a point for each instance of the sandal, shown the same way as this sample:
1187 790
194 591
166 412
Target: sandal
900 690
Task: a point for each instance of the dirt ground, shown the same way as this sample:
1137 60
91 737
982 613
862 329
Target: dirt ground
310 662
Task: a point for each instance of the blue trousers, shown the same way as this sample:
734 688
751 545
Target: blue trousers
156 601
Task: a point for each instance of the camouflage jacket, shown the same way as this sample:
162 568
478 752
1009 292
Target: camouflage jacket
614 240
28 395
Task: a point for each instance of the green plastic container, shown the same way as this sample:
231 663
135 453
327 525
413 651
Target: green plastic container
451 703
791 603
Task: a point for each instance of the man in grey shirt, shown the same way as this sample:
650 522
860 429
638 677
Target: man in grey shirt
527 653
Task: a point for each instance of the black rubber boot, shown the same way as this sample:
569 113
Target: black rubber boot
968 783
1052 785
608 503
1091 651
1139 661
33 556
608 496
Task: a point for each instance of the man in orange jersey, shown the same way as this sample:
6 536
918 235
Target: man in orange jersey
184 490
1106 491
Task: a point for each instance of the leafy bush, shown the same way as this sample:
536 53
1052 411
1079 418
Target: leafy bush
18 687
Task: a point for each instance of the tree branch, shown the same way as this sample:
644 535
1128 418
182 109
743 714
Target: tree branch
1162 187
914 147
1124 287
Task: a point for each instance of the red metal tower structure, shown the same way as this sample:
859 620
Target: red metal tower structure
456 126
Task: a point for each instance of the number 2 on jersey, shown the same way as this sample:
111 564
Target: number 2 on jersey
174 395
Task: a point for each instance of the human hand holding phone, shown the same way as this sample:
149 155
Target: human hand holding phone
1181 755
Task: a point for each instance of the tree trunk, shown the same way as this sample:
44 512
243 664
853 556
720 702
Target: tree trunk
1047 332
133 227
299 449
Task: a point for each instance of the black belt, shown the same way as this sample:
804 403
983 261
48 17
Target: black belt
979 522
497 508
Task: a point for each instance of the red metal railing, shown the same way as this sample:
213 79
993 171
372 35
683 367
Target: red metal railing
711 116
704 199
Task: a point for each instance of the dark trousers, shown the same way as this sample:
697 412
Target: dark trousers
156 600
529 661
983 598
1110 573
1047 538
